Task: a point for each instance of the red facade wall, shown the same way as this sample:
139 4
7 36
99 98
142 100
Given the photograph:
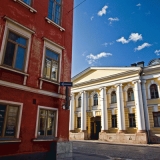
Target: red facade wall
37 23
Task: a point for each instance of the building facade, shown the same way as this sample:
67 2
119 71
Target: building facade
117 104
35 56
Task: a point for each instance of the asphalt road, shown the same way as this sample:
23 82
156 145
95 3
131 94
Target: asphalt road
95 150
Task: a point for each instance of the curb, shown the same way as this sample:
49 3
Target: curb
110 143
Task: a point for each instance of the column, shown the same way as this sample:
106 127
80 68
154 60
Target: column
120 107
104 112
144 97
83 111
71 120
139 106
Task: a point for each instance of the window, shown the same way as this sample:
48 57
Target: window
8 120
27 2
114 121
113 97
95 100
78 122
51 66
15 51
154 91
47 123
132 122
156 118
130 94
79 102
54 11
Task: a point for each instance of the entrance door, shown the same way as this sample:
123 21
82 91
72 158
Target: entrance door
95 127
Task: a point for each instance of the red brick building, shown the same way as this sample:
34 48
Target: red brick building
35 56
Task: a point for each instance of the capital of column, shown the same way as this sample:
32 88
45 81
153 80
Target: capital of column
72 96
119 84
136 81
102 88
82 92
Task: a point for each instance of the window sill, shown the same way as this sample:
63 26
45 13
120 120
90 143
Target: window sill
16 71
9 140
46 80
53 23
39 139
132 128
152 98
26 5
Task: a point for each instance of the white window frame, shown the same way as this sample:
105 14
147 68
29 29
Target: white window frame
20 105
26 5
46 108
56 48
92 98
109 92
153 82
15 27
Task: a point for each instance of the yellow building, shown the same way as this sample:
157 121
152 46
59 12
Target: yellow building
117 104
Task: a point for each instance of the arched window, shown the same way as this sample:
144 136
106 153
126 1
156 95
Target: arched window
113 97
130 94
79 102
154 91
95 100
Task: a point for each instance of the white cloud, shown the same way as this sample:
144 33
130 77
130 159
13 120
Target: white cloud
135 37
103 11
92 18
109 43
144 45
92 58
157 52
113 19
138 5
122 40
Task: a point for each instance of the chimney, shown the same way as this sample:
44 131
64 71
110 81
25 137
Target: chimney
133 65
140 64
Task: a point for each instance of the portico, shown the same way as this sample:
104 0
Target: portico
109 106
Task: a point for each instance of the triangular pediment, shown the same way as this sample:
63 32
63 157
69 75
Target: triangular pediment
93 73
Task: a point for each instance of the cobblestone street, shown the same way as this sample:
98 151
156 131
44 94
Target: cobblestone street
97 150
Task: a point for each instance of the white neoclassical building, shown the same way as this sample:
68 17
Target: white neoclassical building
117 104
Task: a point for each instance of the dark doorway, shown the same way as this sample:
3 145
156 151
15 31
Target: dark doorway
95 127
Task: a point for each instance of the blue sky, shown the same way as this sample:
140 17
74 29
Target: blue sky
115 33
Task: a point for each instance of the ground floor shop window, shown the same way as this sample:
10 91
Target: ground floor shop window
78 122
47 122
8 120
156 118
114 121
132 121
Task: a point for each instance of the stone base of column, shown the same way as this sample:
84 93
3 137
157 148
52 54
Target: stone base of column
121 131
104 131
141 131
83 130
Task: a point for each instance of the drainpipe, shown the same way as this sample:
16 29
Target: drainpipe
144 106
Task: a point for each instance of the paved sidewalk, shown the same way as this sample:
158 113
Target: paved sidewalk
98 141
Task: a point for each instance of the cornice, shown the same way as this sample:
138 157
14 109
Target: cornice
119 75
110 68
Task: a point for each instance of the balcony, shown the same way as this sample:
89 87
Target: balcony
98 107
130 103
78 109
113 105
